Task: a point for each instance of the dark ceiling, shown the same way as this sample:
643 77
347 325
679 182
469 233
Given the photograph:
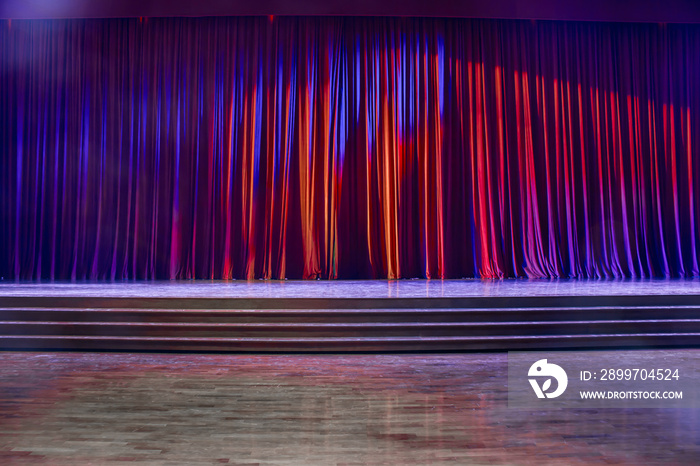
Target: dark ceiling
687 11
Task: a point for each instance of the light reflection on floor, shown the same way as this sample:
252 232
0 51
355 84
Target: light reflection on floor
354 288
73 408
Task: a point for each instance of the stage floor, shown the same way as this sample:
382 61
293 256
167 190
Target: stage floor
349 316
75 409
355 288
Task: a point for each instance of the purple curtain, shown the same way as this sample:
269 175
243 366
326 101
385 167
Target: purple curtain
348 148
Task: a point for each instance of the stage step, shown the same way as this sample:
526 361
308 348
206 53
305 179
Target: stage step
357 324
339 316
299 344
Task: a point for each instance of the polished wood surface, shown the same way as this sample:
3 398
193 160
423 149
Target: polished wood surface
325 289
115 408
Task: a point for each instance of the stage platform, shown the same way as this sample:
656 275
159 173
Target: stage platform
349 316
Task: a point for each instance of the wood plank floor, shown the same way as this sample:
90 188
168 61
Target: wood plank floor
112 408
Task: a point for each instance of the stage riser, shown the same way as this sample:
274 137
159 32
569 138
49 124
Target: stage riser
334 325
354 345
351 316
350 330
481 302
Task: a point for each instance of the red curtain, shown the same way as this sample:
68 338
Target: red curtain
348 148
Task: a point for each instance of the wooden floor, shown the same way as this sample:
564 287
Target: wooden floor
112 408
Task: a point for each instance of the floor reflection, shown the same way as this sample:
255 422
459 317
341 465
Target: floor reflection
65 408
355 288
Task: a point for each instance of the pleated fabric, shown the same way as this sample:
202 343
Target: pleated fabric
289 147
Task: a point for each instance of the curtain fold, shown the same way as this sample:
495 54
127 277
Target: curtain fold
348 148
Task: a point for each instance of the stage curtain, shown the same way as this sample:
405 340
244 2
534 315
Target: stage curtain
284 147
